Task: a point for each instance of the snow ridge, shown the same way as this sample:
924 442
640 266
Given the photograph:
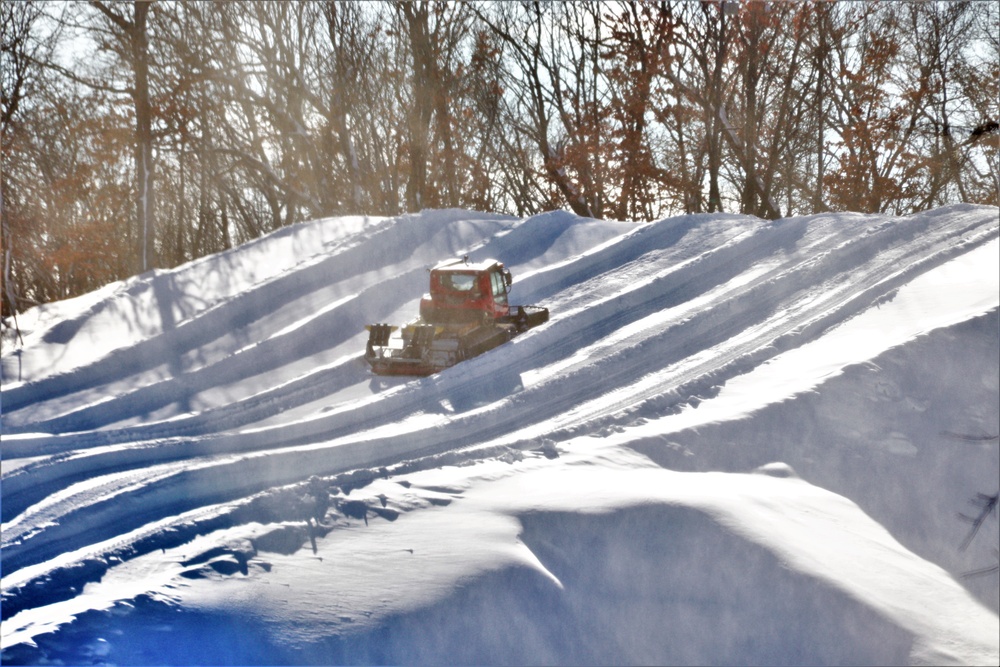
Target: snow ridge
180 403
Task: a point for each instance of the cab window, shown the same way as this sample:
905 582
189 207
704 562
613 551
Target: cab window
459 282
499 288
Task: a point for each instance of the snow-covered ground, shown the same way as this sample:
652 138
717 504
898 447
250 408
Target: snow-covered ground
735 441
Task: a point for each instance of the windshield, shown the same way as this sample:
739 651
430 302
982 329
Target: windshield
459 282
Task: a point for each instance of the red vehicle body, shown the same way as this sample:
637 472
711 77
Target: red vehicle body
465 314
462 293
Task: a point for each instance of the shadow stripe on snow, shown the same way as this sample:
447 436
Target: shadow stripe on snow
316 335
714 326
241 309
499 422
923 254
710 326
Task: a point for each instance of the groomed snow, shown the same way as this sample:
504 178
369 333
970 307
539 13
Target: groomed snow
736 441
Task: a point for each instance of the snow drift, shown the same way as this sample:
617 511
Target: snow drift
736 441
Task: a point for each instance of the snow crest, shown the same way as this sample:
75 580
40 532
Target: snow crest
735 441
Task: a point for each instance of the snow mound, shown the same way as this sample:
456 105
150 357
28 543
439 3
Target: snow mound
735 441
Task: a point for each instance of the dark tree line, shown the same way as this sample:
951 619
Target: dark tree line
138 135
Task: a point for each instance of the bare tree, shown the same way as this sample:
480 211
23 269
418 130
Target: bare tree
131 32
941 42
18 55
351 45
263 114
527 32
434 32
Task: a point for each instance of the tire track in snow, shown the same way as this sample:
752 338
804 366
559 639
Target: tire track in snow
374 302
619 315
380 250
706 270
816 287
720 329
319 331
308 338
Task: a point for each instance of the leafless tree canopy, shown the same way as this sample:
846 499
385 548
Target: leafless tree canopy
138 135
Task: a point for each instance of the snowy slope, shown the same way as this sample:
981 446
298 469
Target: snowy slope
735 441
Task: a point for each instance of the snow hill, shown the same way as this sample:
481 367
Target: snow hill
735 441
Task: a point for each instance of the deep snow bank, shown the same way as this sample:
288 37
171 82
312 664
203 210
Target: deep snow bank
160 482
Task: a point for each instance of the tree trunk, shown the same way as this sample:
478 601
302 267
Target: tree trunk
416 16
144 140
